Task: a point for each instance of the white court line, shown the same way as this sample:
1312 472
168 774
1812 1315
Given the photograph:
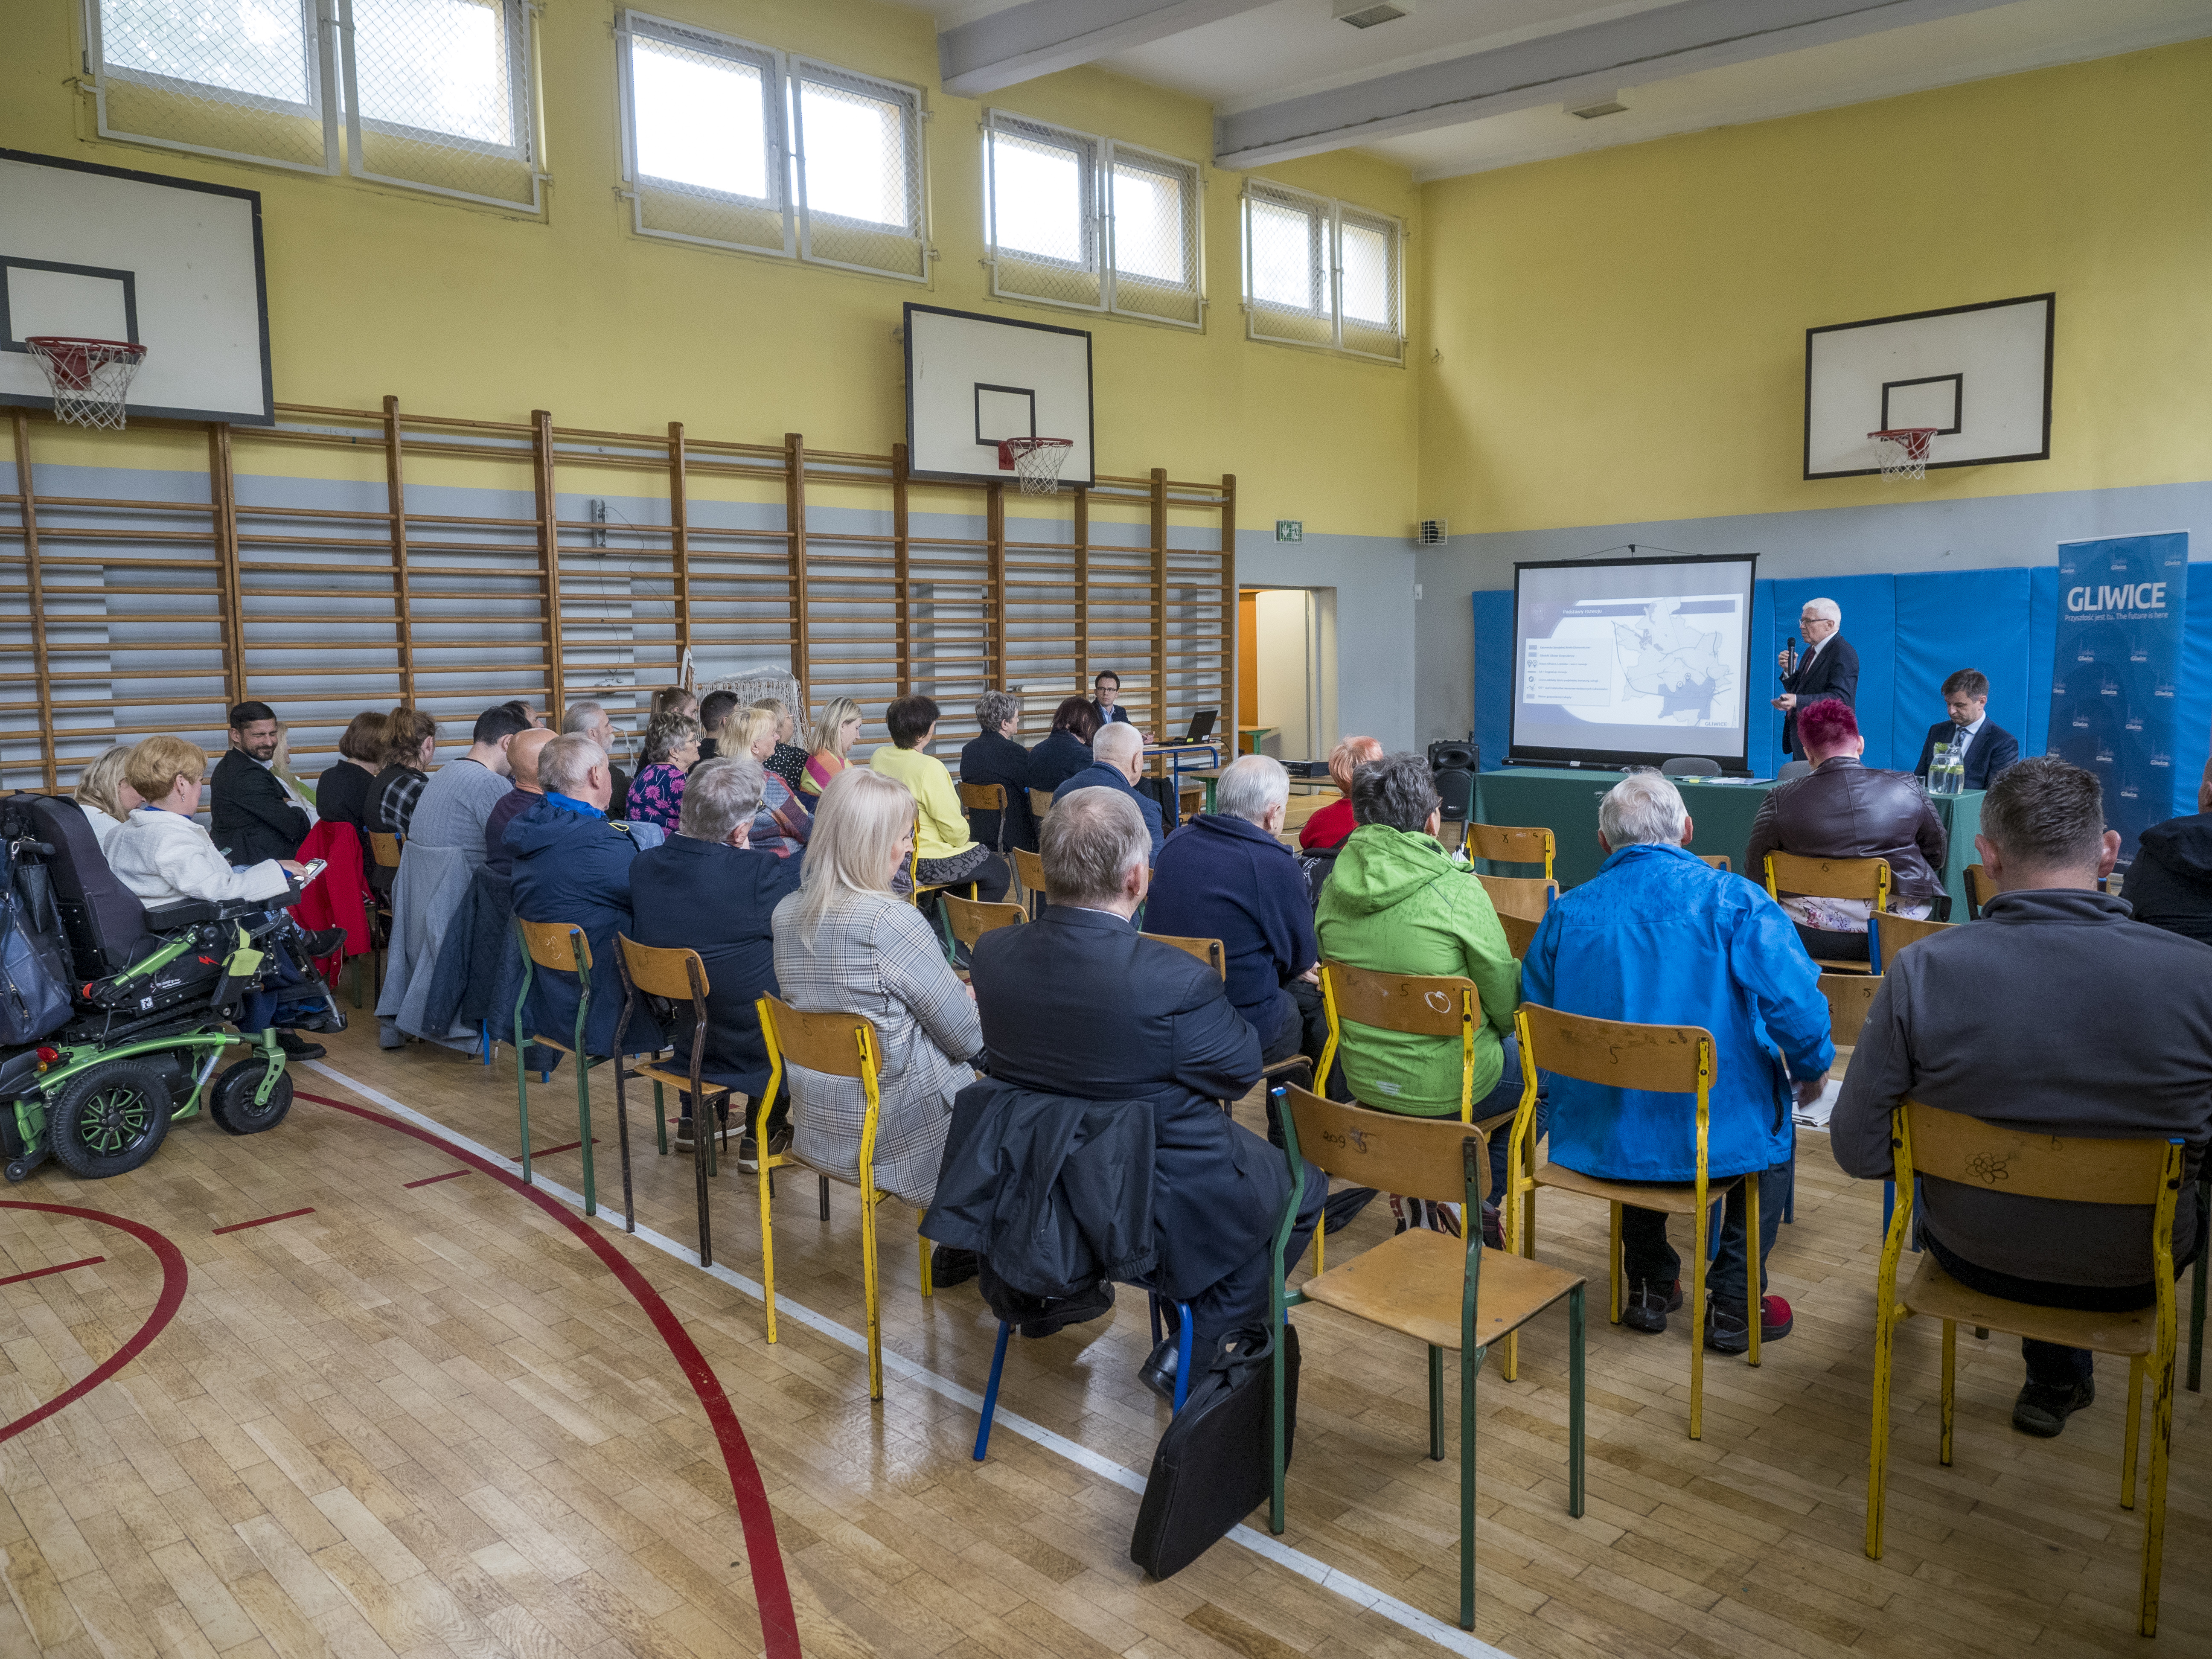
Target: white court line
1266 1545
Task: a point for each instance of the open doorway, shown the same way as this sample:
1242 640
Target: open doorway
1287 670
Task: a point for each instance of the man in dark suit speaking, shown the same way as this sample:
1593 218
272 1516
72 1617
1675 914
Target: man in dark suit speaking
1828 668
1990 747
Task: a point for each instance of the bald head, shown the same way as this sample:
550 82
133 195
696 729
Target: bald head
522 756
1120 746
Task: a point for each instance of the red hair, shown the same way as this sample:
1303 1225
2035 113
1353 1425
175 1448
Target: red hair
1826 724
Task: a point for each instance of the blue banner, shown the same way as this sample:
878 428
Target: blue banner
2116 670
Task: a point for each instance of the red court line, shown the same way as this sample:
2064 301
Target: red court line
425 1181
40 1273
240 1226
174 1277
548 1152
771 1589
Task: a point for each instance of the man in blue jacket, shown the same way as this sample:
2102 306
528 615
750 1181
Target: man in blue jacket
1659 936
1225 875
1117 761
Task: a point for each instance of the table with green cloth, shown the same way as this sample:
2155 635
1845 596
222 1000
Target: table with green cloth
1565 801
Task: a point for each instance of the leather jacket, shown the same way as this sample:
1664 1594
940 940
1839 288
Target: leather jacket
1843 810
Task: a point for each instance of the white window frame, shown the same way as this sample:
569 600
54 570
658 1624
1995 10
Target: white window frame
774 98
1329 216
330 63
1100 259
911 123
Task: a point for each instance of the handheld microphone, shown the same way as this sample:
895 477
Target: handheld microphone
1792 652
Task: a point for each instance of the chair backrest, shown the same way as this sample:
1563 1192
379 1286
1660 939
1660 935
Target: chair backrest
1691 766
1888 934
983 797
1527 896
661 970
1520 932
1851 999
1030 869
971 919
835 1044
1040 803
1207 950
1420 1005
385 848
1718 860
560 944
104 920
1413 1156
1674 1059
1844 879
1980 890
1502 843
1790 771
2036 1163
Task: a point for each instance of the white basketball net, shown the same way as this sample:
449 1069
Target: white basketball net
1037 462
89 377
1904 452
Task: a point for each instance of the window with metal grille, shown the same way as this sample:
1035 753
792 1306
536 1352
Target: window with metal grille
1322 273
429 94
1075 219
737 145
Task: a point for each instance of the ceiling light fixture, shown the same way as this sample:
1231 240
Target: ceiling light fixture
1366 13
1612 105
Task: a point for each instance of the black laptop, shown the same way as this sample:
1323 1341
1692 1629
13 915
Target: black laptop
1201 725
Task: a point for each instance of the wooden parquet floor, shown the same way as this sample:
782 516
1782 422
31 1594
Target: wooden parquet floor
425 1419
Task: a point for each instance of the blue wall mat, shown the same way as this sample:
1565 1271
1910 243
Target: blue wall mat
1869 607
1953 619
1494 676
2042 642
2192 715
1766 720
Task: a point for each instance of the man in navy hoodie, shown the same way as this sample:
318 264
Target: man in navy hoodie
1118 761
2169 883
1225 876
571 864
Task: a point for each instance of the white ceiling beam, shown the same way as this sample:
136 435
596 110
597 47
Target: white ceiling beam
1040 37
1566 67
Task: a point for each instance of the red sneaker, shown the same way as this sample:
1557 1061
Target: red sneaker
1727 1330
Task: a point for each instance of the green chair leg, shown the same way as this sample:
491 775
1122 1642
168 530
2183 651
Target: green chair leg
584 1103
521 1073
1574 1402
1436 1405
660 1118
1470 1362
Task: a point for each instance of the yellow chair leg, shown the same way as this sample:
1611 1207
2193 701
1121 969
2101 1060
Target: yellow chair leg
868 1279
768 1235
1878 1457
1321 1242
1950 1391
2162 1446
1697 1325
1614 1265
2134 1432
928 1285
1753 1266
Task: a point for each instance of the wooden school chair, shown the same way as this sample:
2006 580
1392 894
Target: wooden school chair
1214 955
1527 896
1851 999
917 891
986 798
560 945
970 919
1040 803
1451 1294
1676 1060
1718 860
1844 879
1980 890
385 850
1888 934
1028 870
2144 1174
836 1045
1501 843
1520 932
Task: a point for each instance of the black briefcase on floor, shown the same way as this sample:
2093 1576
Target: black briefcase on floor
1213 1467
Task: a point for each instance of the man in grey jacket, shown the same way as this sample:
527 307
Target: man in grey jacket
2056 1011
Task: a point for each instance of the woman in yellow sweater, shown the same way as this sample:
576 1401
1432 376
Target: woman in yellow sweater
946 851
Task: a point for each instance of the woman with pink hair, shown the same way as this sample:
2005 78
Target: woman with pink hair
1326 830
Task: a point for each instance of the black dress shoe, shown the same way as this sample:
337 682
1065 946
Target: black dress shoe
1054 1314
1649 1303
950 1268
1158 1373
297 1048
2043 1411
322 941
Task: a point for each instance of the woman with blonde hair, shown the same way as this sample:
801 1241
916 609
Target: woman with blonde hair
783 824
787 760
845 944
836 730
104 793
1326 830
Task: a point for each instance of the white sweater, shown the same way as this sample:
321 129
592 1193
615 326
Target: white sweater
103 827
163 856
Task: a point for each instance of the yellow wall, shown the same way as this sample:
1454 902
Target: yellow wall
474 311
1620 335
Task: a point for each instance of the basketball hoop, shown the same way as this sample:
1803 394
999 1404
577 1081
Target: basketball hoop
1904 451
1035 461
88 377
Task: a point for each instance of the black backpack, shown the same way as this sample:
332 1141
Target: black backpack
1213 1466
34 966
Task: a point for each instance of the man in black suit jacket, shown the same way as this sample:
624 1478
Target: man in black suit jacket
1080 1004
1828 668
1990 747
252 818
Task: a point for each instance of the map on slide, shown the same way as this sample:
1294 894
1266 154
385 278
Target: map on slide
1667 661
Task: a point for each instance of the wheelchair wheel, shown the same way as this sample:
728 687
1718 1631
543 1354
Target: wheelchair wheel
231 1101
109 1120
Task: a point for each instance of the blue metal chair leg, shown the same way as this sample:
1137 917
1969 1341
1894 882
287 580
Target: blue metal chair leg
484 1035
1182 1356
991 1391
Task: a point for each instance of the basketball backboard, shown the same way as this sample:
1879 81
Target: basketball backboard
1978 374
973 380
170 263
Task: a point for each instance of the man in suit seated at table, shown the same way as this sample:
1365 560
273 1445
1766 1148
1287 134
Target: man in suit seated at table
2058 1013
2169 883
1660 937
1080 1004
1990 747
1117 761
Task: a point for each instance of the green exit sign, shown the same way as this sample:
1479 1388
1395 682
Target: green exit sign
1290 530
